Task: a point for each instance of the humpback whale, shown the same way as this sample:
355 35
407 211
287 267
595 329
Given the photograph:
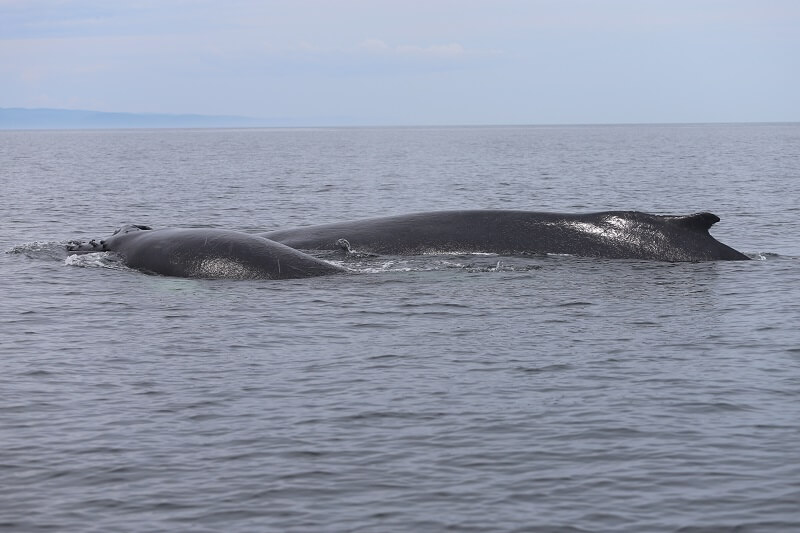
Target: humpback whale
218 253
608 234
205 253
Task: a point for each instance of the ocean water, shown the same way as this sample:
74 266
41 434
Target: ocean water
435 393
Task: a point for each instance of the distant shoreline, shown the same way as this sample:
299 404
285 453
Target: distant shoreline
73 119
43 118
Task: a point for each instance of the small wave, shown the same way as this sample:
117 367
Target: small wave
457 252
426 264
385 266
30 247
503 267
765 256
96 260
40 250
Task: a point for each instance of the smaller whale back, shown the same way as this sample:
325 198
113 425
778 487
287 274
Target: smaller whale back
206 253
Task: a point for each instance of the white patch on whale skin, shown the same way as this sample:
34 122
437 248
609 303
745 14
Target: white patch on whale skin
613 229
229 268
224 267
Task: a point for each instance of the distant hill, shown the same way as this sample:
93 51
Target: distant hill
20 118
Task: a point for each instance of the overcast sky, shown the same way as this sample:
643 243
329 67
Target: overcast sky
408 62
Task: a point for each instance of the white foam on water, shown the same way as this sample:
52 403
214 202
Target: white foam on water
35 246
456 252
39 249
95 260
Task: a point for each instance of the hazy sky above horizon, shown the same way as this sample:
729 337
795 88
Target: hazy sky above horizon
405 62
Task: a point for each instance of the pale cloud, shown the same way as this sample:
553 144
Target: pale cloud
437 50
374 45
32 74
408 61
450 50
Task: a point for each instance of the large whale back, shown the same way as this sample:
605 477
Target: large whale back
206 253
609 234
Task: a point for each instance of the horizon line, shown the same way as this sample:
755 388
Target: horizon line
301 123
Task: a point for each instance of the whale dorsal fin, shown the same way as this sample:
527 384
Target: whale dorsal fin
698 221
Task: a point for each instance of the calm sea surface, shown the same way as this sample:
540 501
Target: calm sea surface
458 393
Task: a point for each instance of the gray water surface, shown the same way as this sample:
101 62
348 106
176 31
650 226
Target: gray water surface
463 393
